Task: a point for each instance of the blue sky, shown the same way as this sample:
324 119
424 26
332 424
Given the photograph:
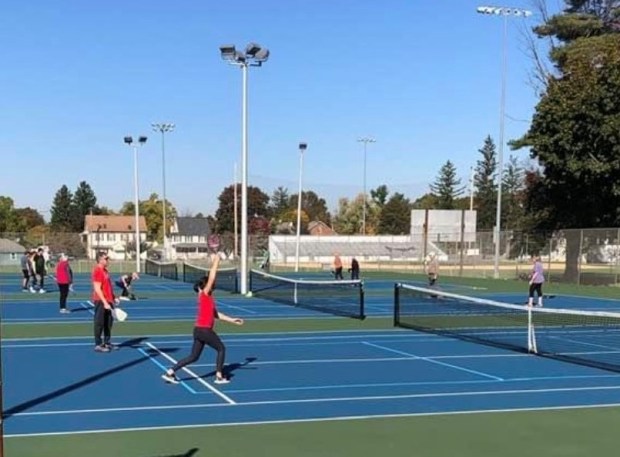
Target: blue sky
420 76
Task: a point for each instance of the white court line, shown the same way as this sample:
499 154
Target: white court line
456 367
89 309
198 378
320 419
319 400
241 308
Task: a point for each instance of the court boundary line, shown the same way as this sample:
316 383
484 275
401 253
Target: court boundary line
430 360
323 419
217 392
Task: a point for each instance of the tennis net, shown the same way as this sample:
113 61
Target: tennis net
341 298
226 277
584 337
166 270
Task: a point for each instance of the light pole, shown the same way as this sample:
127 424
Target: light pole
365 140
505 12
254 56
129 141
302 148
163 128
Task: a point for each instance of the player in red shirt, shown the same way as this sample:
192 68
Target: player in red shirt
104 300
203 330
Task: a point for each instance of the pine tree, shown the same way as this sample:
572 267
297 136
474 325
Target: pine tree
447 187
84 202
396 216
63 210
485 201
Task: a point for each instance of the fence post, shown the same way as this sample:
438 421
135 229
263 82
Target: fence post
579 258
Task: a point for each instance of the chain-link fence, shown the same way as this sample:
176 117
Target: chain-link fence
579 256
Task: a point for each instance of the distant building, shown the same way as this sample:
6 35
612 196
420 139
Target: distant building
112 234
320 228
188 237
10 252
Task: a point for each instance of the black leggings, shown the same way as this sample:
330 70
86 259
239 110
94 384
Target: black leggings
64 292
536 287
202 336
103 324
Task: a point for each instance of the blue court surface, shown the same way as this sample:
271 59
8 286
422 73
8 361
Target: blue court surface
57 386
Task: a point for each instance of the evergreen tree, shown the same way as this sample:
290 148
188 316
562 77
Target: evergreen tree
279 203
63 210
485 199
447 187
84 202
396 216
513 186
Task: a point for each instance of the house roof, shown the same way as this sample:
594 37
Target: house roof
9 246
193 226
115 224
320 228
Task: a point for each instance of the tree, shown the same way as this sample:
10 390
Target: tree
7 214
314 206
63 210
25 219
426 201
152 211
84 203
447 186
396 216
257 205
348 221
279 203
574 131
485 198
380 195
513 186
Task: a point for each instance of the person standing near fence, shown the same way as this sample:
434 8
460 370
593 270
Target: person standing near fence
64 279
537 278
25 264
39 266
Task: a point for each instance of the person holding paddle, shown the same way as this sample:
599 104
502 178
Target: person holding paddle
104 301
204 333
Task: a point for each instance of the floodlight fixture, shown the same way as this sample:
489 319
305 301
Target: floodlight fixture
142 139
303 146
228 51
128 140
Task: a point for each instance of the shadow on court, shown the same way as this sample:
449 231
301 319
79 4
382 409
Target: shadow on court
192 452
132 343
231 368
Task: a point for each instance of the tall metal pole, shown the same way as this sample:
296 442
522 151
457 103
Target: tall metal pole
365 140
236 210
137 206
504 12
302 148
244 186
163 128
500 157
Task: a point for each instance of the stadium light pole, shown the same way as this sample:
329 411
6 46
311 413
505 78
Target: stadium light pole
365 140
163 128
253 56
505 12
302 149
130 142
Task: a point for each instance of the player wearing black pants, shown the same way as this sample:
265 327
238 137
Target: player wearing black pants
203 331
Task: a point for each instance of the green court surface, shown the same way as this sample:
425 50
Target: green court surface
550 432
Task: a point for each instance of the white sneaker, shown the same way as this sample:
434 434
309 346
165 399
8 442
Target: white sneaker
32 291
170 378
42 291
65 311
124 298
221 380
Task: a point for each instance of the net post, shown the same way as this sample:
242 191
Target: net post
396 304
362 311
295 293
531 337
